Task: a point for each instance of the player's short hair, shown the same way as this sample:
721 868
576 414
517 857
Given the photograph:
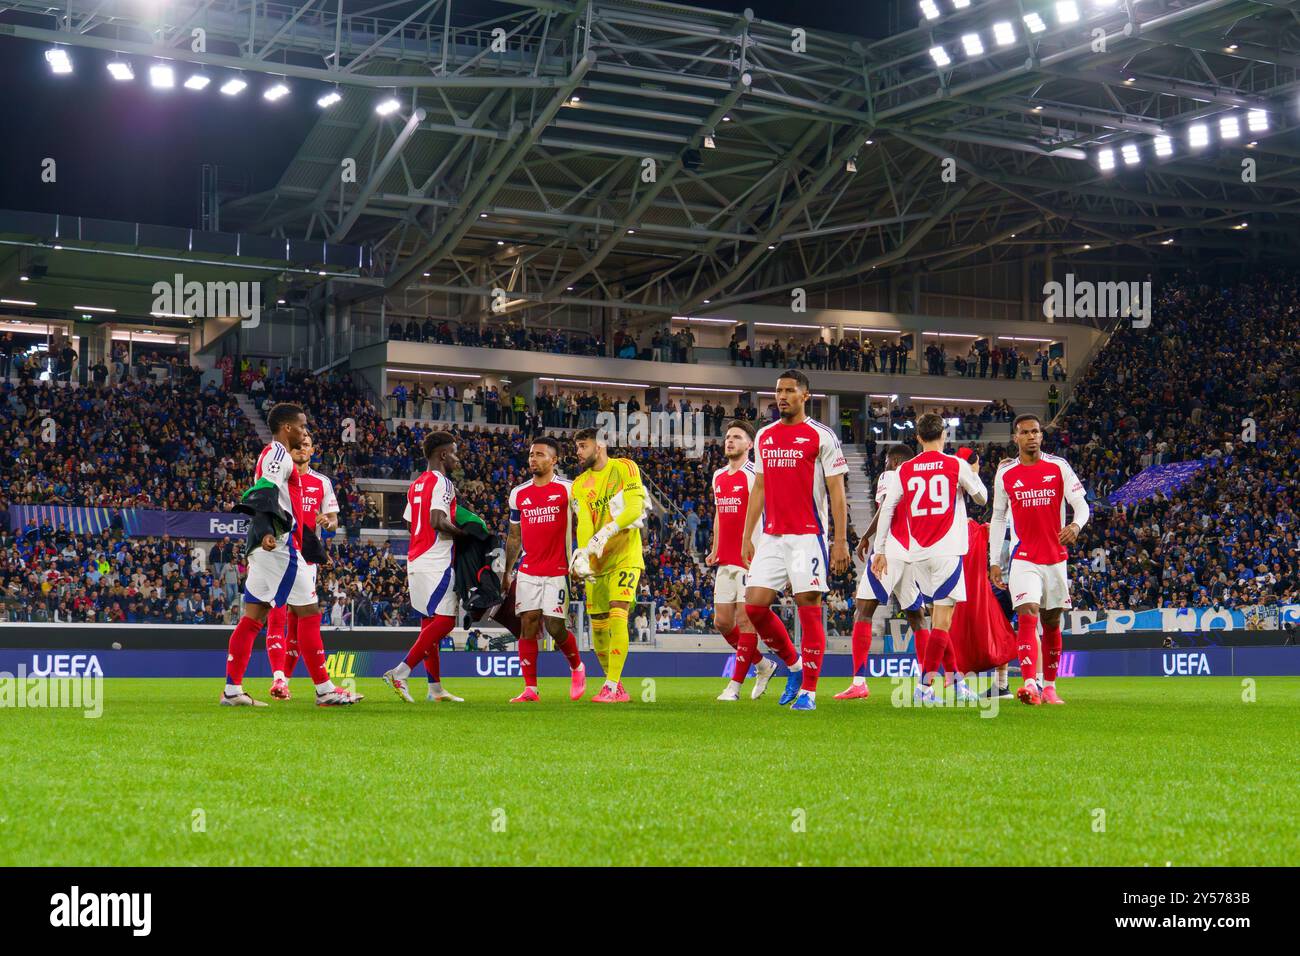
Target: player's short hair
282 414
797 376
898 453
435 440
743 425
930 426
585 434
1027 417
549 442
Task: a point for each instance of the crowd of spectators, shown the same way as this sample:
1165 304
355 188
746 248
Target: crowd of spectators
138 443
1214 378
1182 389
52 575
508 335
999 362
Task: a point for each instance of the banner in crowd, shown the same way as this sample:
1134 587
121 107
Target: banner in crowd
133 522
1158 479
1184 620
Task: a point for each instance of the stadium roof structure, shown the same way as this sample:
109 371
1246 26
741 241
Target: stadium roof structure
1131 132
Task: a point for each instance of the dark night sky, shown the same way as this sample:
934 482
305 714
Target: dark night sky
126 151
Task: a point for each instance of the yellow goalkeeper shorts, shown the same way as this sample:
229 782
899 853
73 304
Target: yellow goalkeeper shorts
605 589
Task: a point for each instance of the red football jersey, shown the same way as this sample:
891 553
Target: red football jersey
730 503
545 518
429 493
1035 495
795 461
317 496
928 492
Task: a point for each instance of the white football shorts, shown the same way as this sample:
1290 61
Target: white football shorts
801 561
550 595
1047 585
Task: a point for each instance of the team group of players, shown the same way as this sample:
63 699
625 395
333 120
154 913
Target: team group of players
770 533
781 521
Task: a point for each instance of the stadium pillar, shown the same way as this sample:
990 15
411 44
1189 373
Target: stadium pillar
1047 275
831 412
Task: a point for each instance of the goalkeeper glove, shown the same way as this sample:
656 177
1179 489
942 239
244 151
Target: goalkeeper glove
596 546
580 565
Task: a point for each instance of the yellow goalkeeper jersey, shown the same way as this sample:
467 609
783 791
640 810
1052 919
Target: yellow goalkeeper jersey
614 493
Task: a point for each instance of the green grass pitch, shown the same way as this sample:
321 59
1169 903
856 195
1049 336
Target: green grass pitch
1130 772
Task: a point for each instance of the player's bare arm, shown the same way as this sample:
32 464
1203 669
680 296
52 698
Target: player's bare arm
268 542
513 543
444 525
752 516
840 512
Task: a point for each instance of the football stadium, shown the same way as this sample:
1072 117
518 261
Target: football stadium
641 435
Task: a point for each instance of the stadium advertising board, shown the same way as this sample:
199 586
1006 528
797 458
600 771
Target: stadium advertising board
345 664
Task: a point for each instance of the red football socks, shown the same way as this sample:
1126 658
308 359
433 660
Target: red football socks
813 645
239 648
936 643
1027 644
275 638
528 660
747 655
1051 652
861 645
920 640
291 651
312 648
569 648
773 632
432 630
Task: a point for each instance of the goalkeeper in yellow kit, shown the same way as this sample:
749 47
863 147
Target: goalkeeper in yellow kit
609 504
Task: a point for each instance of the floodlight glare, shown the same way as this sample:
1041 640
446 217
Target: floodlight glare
1229 127
960 4
329 99
276 92
198 82
929 9
1067 11
1257 121
971 44
1004 33
1198 135
940 56
388 107
1164 146
1131 156
120 70
233 87
1106 159
58 59
161 76
1034 23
